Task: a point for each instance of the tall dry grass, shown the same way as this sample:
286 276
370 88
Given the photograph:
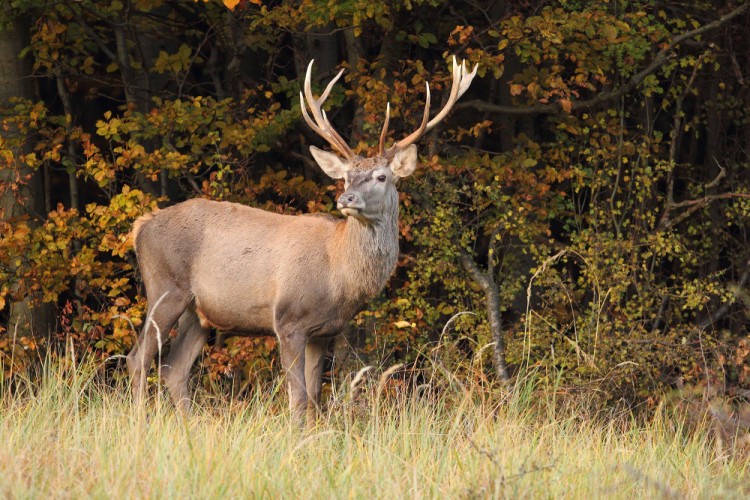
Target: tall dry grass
70 436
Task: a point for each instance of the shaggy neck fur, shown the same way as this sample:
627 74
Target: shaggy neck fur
368 251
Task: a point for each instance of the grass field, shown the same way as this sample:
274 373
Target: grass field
70 436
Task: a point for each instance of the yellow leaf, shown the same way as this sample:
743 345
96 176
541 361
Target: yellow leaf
231 4
610 32
403 324
516 89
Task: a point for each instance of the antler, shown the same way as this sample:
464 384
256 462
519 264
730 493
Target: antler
461 81
321 125
384 132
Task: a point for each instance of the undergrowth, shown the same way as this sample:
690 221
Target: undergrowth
71 433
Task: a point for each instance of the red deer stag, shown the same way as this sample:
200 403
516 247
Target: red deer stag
223 265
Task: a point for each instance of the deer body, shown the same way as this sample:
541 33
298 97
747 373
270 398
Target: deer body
208 264
248 270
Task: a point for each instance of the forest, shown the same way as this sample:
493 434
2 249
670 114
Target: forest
582 214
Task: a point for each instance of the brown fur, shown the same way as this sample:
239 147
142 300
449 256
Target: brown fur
138 224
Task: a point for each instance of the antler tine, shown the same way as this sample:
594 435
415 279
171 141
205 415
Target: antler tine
384 133
343 147
307 118
466 78
412 138
330 85
454 92
321 125
461 82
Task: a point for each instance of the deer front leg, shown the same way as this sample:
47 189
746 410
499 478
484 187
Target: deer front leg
184 351
292 347
314 358
162 314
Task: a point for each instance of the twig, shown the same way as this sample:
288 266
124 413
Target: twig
695 204
676 135
536 274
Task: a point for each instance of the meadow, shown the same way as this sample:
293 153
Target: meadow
71 434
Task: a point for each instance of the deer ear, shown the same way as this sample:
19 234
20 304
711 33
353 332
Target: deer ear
405 161
331 164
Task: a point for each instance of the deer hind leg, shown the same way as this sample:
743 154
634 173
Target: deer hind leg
183 352
162 314
314 358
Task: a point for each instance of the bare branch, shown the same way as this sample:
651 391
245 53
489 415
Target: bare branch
676 136
94 36
696 205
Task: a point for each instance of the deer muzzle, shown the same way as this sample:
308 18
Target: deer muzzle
350 203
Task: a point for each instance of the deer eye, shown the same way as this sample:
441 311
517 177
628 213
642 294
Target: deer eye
381 178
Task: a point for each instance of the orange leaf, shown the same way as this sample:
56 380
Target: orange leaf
566 105
231 4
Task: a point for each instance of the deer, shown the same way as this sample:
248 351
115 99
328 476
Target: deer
217 264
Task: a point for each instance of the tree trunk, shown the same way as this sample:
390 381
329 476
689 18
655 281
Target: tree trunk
354 52
492 300
135 85
67 103
26 318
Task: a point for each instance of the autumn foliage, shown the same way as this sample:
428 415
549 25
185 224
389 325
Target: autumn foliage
596 177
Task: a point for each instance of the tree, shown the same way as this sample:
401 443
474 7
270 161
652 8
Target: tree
587 202
21 188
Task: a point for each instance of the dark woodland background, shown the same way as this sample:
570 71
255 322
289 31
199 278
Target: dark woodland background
587 202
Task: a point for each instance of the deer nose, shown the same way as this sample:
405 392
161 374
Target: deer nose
347 200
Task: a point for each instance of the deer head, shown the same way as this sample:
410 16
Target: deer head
370 182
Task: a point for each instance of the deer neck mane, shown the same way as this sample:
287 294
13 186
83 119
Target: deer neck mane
366 254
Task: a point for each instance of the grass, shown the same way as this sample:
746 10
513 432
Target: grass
70 436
